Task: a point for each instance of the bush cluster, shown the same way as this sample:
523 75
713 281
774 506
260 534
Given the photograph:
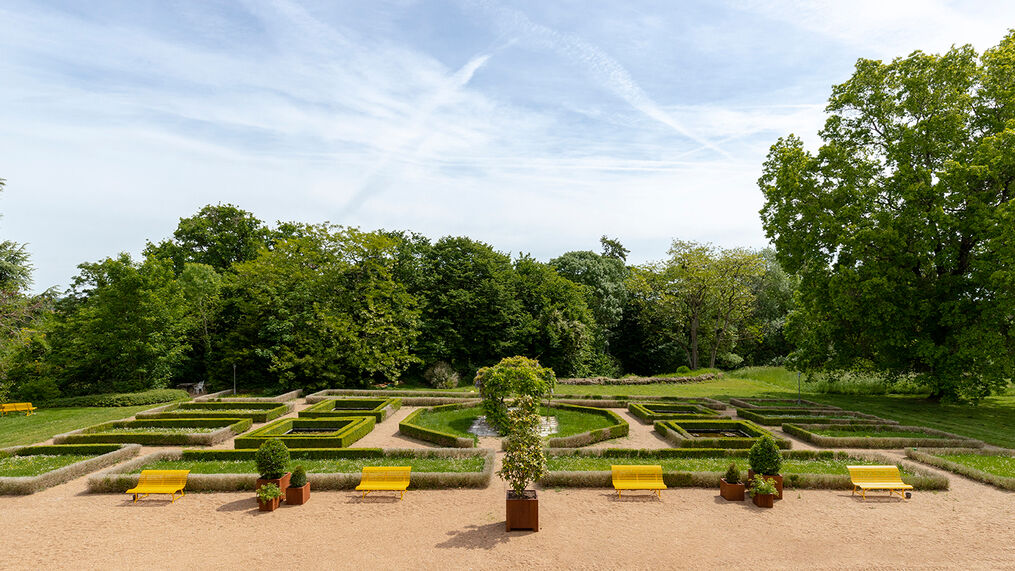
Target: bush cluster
272 459
155 396
441 375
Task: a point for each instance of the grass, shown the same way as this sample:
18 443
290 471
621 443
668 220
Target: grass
999 465
340 465
718 389
19 430
21 466
158 430
458 422
873 433
707 464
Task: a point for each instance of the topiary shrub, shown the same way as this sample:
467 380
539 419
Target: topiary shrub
272 459
765 457
299 477
732 474
524 459
441 375
683 369
512 376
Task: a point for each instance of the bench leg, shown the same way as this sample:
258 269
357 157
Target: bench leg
403 496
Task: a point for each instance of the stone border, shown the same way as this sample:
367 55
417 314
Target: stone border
30 484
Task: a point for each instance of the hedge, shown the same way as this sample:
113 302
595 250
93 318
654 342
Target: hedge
776 417
346 431
378 408
332 393
225 396
616 430
118 479
434 398
409 428
675 433
779 403
651 412
257 412
103 456
931 456
228 427
803 432
155 396
920 478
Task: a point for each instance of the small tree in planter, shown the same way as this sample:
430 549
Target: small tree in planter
766 460
298 491
268 497
512 376
730 486
763 491
524 463
272 460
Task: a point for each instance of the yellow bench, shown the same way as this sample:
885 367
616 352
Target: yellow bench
380 478
877 478
635 477
160 482
25 407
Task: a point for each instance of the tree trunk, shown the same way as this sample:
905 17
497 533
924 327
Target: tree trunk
694 342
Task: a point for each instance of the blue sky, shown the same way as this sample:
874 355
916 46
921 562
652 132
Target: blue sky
533 126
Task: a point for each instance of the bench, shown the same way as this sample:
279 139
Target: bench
380 478
877 478
160 482
25 407
635 477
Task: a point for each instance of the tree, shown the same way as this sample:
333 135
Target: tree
524 459
765 341
900 225
511 377
604 276
218 235
201 287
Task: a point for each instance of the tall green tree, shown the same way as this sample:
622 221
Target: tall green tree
218 235
899 226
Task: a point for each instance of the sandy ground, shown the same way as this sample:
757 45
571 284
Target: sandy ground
969 527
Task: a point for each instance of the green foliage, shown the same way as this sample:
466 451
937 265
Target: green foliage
268 492
732 475
765 457
761 486
327 433
218 236
524 460
299 477
156 396
901 226
512 376
441 375
272 459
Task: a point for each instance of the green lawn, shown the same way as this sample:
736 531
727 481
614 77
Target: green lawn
999 465
714 464
832 432
457 422
158 430
336 465
21 466
722 388
18 430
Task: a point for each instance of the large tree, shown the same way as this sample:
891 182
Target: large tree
900 225
218 235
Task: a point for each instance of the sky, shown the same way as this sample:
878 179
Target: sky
533 126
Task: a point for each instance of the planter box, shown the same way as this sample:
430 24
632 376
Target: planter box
269 506
776 477
282 483
523 512
764 500
297 496
732 492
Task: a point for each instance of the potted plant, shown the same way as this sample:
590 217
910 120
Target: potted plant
268 497
272 460
730 486
765 459
298 491
524 462
763 491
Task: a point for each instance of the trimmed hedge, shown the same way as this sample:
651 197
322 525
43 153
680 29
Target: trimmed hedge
409 428
618 428
380 409
434 398
332 393
675 433
651 412
155 396
776 417
103 456
920 478
228 427
931 456
346 431
264 411
803 432
779 403
225 396
119 479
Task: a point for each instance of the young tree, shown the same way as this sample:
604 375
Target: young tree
899 226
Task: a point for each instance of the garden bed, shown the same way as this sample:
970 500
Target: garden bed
159 432
994 467
714 433
327 469
29 469
309 432
877 436
380 409
227 395
255 411
779 403
702 468
409 398
651 412
779 416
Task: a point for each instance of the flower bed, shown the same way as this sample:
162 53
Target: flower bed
877 436
995 467
779 416
380 409
310 432
123 431
410 398
328 469
651 412
34 468
226 396
688 433
779 403
255 411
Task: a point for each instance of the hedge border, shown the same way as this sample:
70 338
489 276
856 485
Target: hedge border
776 420
25 485
640 411
380 412
409 428
219 396
342 437
919 477
227 428
750 402
674 433
930 456
317 397
175 411
119 480
434 398
619 428
803 432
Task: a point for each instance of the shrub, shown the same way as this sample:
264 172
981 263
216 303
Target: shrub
272 459
761 486
122 399
524 460
268 492
732 474
299 477
683 369
38 390
511 376
440 375
765 457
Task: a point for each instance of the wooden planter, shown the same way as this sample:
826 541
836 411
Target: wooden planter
776 477
732 492
764 500
268 506
297 496
523 512
282 483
